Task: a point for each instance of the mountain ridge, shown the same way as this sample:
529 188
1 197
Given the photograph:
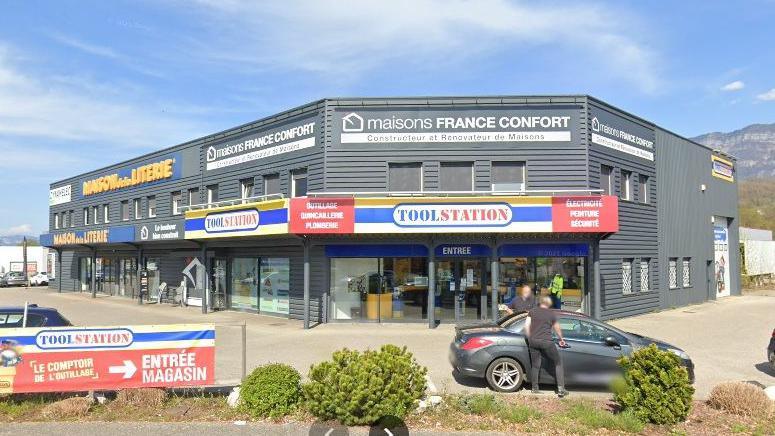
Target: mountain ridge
752 145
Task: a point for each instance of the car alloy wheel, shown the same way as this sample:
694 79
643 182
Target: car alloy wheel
505 375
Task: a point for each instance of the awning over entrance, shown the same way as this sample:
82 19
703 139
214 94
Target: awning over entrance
372 215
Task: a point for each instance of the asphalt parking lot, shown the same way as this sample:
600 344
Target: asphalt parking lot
726 339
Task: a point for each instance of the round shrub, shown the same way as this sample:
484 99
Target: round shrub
741 399
271 391
359 388
655 386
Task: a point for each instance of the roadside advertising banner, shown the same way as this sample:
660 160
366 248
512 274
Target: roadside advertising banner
66 359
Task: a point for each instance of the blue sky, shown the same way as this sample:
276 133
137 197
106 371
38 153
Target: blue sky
88 83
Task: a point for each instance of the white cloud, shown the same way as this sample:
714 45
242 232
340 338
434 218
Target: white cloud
737 85
66 108
86 47
21 229
352 37
767 96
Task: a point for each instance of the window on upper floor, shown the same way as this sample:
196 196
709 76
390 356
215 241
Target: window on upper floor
95 214
456 176
125 210
508 176
86 216
246 189
151 206
272 184
405 177
626 193
175 202
56 220
193 196
106 213
138 208
643 189
299 183
212 194
607 179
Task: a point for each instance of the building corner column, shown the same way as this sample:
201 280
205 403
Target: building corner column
59 269
139 273
494 279
94 273
597 291
205 293
305 244
431 309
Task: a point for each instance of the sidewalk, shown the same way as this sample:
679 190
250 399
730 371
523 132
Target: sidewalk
726 338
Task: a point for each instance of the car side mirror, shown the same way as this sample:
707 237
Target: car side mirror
611 342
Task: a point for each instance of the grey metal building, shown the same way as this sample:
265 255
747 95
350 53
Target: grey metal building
427 209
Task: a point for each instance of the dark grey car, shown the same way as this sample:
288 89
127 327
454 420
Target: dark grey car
13 278
497 352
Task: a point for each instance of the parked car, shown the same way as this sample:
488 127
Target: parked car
497 352
13 278
12 317
39 279
771 350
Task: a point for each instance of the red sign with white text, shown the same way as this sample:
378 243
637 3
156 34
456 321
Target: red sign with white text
598 214
106 358
322 215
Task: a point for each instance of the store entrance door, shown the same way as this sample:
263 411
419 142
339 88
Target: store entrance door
461 289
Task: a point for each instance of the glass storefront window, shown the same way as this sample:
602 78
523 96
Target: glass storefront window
244 283
218 283
275 285
459 289
349 285
406 279
390 288
152 265
538 272
84 273
128 279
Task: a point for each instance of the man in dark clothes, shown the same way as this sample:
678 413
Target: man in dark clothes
540 322
522 302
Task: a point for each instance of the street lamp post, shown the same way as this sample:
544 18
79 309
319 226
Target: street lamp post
24 263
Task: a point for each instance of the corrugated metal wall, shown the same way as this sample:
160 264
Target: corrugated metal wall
685 213
365 167
636 239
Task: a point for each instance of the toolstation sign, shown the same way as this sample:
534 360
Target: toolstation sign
391 215
387 215
452 214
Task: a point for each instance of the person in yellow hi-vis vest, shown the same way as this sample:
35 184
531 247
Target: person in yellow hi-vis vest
555 291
